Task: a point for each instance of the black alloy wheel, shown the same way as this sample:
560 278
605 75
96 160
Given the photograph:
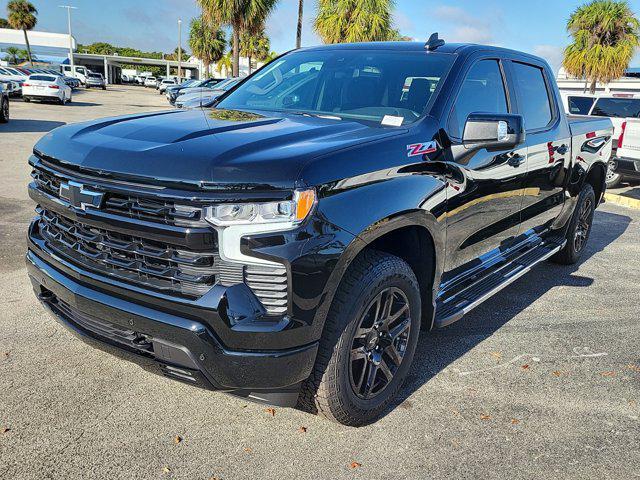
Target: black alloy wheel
380 343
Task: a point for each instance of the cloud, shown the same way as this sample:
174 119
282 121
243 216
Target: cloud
551 53
464 27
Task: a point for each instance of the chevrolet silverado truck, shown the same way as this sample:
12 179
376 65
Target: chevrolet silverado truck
289 244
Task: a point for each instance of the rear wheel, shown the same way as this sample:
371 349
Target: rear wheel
26 99
612 178
579 228
4 110
369 341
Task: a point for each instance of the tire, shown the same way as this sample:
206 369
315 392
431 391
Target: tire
26 99
579 228
612 178
104 88
4 111
62 100
351 350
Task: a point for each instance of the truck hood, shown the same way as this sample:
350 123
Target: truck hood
204 148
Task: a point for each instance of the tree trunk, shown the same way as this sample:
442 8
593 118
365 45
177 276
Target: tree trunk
206 68
299 32
236 52
593 86
26 40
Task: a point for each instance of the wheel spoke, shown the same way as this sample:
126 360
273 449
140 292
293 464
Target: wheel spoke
384 368
386 309
398 314
362 376
371 379
394 354
357 353
399 329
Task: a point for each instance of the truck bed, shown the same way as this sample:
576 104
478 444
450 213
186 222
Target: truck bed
583 124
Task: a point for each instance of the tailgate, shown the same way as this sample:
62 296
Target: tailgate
630 145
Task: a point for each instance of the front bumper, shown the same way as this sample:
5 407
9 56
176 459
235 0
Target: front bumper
628 167
176 346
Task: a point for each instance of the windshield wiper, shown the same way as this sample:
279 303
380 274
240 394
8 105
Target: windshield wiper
315 115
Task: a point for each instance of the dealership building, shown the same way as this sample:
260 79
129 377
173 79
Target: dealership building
53 49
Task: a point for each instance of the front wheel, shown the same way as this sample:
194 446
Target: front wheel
579 228
368 343
612 178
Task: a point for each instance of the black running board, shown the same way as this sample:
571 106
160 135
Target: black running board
455 307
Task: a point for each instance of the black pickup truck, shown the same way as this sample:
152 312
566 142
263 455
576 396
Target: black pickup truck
289 244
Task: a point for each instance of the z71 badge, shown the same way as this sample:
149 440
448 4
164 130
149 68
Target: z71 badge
416 149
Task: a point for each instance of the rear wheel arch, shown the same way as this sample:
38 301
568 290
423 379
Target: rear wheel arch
596 177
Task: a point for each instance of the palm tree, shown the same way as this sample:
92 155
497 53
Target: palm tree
244 16
255 45
14 54
207 42
354 20
225 63
22 16
605 35
4 23
299 30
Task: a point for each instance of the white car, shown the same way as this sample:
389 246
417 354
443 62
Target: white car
165 83
46 87
151 82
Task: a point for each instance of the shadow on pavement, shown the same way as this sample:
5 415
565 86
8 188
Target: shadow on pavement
19 125
438 349
74 103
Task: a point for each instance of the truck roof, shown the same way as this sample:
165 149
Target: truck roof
417 46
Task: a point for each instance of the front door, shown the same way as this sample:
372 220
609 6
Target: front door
485 187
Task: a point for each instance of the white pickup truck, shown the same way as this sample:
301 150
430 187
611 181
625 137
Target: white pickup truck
624 112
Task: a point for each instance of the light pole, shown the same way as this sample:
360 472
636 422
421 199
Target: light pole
179 49
69 8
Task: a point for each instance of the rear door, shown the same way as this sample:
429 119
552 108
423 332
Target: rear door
548 144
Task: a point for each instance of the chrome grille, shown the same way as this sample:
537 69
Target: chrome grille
133 259
132 206
269 284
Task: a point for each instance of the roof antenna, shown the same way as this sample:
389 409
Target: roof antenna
433 42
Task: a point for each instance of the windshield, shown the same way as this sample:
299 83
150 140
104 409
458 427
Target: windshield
388 87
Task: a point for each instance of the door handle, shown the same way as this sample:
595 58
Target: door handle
562 149
516 160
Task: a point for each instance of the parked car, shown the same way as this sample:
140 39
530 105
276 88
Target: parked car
205 99
165 83
619 108
150 82
40 86
13 89
290 244
4 103
174 91
13 75
202 86
96 80
78 72
625 163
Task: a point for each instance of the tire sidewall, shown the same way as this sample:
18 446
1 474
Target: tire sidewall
372 407
586 193
4 104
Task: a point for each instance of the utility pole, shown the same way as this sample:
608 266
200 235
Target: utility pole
69 8
179 49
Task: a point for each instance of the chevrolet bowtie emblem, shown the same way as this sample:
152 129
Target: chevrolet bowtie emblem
79 197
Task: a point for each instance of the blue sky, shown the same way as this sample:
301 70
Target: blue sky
536 26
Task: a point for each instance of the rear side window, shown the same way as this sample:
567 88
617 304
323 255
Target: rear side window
580 105
482 92
533 96
617 107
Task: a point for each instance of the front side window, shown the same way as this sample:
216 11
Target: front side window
482 92
617 107
580 105
385 87
533 96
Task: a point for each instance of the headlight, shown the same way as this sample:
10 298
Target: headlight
285 212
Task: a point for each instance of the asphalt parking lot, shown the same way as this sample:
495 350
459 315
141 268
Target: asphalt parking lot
540 382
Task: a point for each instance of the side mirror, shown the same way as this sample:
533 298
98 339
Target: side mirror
493 131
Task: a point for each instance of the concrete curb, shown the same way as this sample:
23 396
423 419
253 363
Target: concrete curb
622 200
